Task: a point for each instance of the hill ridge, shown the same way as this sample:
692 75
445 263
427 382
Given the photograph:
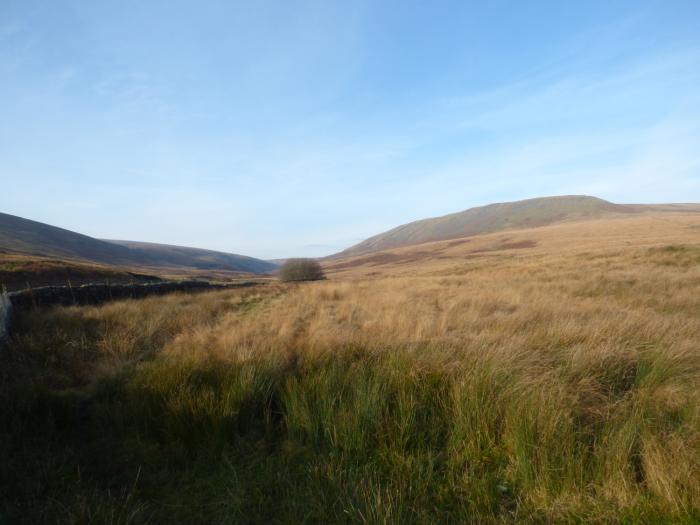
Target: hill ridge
539 211
26 236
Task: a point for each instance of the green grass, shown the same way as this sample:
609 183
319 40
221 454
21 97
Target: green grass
361 437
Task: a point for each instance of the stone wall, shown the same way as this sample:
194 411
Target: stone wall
96 294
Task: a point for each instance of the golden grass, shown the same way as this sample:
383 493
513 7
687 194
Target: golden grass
555 380
457 256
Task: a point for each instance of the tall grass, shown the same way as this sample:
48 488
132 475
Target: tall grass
530 391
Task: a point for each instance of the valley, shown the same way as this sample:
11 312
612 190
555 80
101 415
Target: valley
545 374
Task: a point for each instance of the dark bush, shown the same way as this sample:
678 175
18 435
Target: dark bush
301 270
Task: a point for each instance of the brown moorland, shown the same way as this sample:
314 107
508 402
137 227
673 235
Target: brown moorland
19 271
502 216
539 375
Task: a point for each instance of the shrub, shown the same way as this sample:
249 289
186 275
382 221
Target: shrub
301 270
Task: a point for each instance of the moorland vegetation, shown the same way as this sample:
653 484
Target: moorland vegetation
526 383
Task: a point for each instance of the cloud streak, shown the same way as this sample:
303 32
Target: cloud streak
297 130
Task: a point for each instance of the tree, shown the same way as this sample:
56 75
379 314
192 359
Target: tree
301 270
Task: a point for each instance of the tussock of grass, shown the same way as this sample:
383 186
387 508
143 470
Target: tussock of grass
529 392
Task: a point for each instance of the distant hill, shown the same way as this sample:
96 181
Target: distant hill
494 217
167 255
36 238
24 236
647 232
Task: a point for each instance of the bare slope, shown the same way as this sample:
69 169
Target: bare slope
491 218
24 236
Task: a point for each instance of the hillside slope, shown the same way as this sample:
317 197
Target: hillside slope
491 218
168 255
24 236
650 229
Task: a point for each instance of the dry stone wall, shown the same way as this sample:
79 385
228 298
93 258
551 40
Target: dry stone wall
96 294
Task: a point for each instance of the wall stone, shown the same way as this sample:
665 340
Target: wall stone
95 294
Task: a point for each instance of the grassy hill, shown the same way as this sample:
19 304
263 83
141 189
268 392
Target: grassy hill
24 236
168 255
29 237
494 217
656 225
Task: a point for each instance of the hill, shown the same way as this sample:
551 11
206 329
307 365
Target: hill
29 237
494 217
24 236
168 255
649 227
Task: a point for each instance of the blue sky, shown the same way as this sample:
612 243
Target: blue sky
276 129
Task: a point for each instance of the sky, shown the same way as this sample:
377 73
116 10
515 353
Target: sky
294 128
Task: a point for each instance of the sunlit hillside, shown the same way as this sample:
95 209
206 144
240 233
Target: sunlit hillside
581 238
505 216
548 375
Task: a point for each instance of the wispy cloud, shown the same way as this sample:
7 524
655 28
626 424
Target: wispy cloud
299 129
